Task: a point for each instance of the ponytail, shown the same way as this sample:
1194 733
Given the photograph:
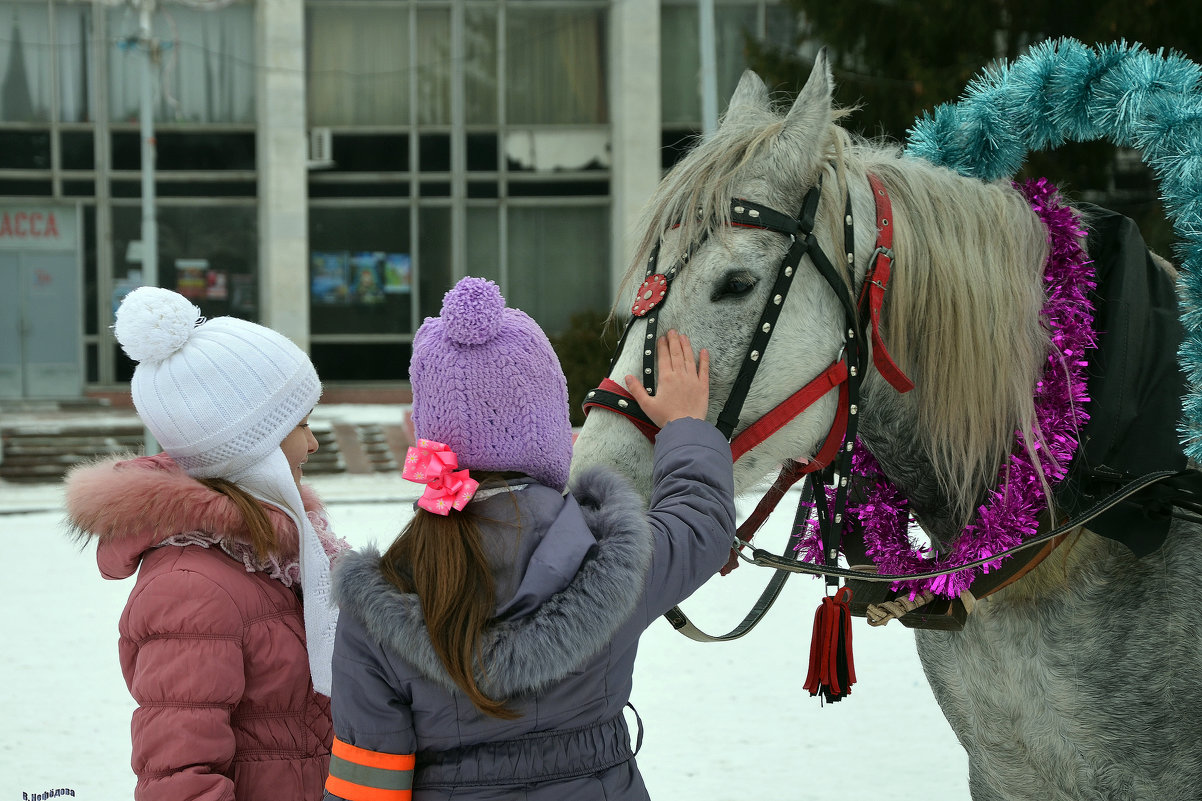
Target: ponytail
442 560
260 534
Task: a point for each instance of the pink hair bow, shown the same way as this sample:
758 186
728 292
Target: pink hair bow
433 464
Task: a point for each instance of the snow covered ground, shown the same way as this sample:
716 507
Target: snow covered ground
722 721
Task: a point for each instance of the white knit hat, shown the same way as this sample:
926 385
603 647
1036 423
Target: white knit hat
220 396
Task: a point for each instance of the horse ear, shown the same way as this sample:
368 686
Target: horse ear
812 108
750 92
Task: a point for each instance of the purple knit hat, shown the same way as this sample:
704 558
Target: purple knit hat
487 384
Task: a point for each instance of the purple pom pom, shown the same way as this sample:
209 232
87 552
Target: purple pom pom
472 311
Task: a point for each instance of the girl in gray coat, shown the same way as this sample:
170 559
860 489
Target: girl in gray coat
489 652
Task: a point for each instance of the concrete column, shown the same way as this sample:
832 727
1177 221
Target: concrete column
282 154
635 119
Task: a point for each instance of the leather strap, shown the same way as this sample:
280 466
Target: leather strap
795 404
877 281
766 559
728 418
613 396
789 475
680 620
980 587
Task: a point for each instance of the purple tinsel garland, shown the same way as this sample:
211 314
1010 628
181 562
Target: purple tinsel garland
1009 513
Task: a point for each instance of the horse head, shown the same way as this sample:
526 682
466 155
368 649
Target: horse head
961 317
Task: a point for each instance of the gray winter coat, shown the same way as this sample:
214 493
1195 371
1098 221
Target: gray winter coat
576 587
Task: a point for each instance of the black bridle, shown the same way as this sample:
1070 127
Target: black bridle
846 373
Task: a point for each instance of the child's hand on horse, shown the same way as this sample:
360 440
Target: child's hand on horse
682 382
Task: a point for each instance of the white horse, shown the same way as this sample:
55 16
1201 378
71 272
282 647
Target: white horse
1083 679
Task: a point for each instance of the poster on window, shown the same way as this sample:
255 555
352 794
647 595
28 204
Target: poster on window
328 277
191 278
216 285
398 274
367 277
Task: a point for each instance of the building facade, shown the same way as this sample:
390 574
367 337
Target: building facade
331 167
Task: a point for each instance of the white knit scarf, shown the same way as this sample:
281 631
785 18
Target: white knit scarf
271 481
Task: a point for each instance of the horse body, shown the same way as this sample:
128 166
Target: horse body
1081 680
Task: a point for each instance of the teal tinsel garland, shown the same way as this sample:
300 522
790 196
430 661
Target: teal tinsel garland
1062 91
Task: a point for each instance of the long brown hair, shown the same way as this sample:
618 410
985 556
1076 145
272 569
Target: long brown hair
442 560
260 534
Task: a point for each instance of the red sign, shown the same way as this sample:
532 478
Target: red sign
25 225
36 226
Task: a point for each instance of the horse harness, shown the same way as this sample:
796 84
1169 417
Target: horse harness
845 373
1174 488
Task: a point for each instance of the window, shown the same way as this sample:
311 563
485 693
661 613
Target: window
680 59
360 270
207 253
558 262
358 65
680 63
24 150
207 70
363 64
484 243
73 43
555 68
56 56
480 81
511 184
25 91
434 242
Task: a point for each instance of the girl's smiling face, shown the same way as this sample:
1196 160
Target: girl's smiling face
297 446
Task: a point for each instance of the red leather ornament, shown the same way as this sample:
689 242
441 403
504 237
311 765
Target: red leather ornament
650 293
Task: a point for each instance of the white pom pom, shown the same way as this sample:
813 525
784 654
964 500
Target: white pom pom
153 323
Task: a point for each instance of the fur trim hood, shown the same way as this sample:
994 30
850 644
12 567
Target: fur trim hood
524 654
130 506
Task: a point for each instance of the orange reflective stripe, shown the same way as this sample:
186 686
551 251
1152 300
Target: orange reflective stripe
357 792
371 759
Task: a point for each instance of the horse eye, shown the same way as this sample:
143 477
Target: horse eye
734 284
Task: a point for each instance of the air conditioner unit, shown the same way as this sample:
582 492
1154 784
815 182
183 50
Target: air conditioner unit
321 148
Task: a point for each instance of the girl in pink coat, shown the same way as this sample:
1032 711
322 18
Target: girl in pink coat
227 636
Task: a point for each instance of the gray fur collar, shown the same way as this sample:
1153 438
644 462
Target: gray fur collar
532 652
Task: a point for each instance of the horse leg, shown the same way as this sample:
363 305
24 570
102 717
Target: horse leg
940 662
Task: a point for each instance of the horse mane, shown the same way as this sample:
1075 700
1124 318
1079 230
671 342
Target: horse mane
695 194
963 313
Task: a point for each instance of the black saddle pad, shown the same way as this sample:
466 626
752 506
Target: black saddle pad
1135 382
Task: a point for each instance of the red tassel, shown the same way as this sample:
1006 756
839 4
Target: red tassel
832 671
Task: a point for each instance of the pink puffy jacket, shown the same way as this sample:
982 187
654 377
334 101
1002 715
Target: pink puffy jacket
214 655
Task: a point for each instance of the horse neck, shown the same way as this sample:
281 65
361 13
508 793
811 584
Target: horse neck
887 429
